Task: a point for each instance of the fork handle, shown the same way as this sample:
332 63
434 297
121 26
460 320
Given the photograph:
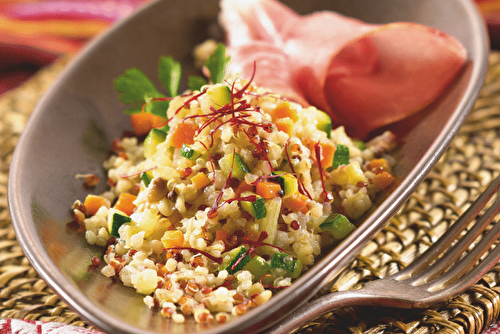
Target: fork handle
320 306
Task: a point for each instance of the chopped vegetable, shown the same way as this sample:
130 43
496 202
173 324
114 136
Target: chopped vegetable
242 187
383 179
337 225
188 153
296 202
285 125
233 160
200 180
116 219
290 267
321 119
258 267
93 203
284 110
288 182
270 222
341 156
268 189
172 238
377 165
328 151
256 207
218 95
183 134
143 122
152 140
125 203
147 177
234 260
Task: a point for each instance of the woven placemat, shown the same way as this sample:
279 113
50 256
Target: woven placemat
469 164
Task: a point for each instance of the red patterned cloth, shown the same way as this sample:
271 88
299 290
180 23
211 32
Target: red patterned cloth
33 33
13 326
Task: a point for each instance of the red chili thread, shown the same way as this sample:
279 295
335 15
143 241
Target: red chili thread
124 176
317 151
302 188
196 250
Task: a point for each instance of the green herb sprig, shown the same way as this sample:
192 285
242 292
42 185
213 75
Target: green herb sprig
140 93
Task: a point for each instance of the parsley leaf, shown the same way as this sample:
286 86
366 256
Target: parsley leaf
138 91
169 73
216 64
196 82
135 87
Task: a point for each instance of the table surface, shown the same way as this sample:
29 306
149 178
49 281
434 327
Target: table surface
471 161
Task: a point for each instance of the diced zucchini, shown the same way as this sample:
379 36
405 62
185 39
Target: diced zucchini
239 168
338 225
269 223
341 156
219 95
234 260
152 140
258 267
359 144
188 153
147 177
290 266
116 218
288 182
256 208
321 119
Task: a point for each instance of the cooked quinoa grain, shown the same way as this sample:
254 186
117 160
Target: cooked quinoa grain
233 202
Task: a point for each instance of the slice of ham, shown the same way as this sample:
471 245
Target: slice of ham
364 75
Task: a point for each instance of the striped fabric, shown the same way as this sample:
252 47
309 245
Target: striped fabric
35 32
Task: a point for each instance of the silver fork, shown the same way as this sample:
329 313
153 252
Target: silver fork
444 270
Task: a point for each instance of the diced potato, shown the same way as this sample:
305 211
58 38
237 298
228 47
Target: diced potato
348 175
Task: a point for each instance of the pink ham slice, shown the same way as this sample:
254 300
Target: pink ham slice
365 76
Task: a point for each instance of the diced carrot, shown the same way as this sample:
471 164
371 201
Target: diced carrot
284 110
142 123
200 180
183 134
285 125
379 164
93 203
327 152
125 203
221 235
172 238
267 189
158 121
296 202
383 179
243 186
162 270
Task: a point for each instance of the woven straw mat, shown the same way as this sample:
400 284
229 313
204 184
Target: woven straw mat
469 164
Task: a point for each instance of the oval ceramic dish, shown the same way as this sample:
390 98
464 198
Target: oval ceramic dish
73 125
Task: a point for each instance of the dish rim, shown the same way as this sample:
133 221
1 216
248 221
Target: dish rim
336 258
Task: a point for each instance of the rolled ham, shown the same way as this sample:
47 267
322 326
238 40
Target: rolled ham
364 75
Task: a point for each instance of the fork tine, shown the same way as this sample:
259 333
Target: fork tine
453 253
451 234
460 268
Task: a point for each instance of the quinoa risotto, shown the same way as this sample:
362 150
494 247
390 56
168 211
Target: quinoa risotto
231 201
